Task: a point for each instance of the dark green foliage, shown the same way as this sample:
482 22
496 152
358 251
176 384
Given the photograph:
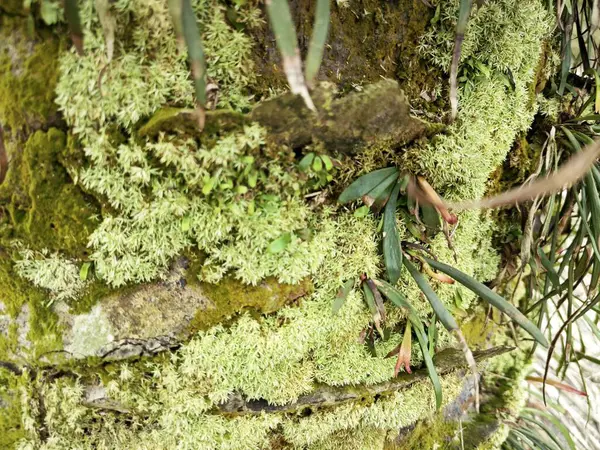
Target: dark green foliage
392 252
72 17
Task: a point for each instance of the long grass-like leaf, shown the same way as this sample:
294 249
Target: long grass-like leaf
396 297
317 41
191 34
370 300
461 27
447 320
392 253
109 24
175 12
550 271
283 27
490 297
554 421
74 22
365 184
438 307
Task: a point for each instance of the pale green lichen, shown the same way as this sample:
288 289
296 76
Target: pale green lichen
52 272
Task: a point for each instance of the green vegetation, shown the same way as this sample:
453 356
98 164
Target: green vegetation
136 191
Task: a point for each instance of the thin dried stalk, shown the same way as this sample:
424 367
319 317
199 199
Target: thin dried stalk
3 157
461 26
570 173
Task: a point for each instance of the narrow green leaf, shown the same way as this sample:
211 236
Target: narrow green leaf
430 217
283 27
341 296
392 253
432 335
438 307
550 271
364 184
280 244
72 17
566 58
411 226
555 421
175 11
317 41
372 304
84 271
461 26
191 35
492 298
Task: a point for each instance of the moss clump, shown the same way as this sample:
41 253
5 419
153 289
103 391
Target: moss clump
506 36
11 425
231 297
38 333
28 75
45 210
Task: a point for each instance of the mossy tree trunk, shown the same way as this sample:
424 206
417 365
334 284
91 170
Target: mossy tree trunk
152 275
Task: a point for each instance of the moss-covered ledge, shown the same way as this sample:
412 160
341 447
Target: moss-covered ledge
155 317
378 113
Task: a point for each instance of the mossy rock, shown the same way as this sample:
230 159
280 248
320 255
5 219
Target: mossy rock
154 317
41 207
28 74
33 329
377 115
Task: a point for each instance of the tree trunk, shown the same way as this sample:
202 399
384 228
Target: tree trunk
163 286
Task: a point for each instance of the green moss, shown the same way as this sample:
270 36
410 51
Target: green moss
435 432
231 297
11 426
184 121
45 209
40 325
28 75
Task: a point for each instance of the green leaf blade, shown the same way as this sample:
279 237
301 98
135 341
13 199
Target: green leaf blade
492 298
438 307
364 184
392 253
317 41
